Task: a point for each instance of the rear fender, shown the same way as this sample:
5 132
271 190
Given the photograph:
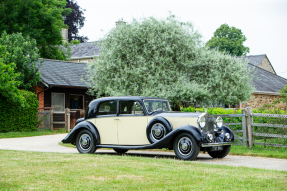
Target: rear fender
71 137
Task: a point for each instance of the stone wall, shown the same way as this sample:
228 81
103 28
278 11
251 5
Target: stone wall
84 60
266 65
259 100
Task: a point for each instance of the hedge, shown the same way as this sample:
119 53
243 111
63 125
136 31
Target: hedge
259 129
13 117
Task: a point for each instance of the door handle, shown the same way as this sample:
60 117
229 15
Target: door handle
116 119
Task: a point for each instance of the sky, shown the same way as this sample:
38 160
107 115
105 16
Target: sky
263 22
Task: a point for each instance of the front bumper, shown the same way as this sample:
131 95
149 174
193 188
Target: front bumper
216 144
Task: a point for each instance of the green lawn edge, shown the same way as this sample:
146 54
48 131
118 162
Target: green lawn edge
62 171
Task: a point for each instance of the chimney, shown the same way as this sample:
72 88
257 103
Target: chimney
65 34
120 22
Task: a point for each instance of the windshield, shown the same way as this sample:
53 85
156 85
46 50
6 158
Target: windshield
156 105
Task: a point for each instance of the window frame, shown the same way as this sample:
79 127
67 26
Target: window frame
64 102
130 114
156 100
111 115
83 101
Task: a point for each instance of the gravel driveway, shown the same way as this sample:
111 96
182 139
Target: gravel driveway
50 143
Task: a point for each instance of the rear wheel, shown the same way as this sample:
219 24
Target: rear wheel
121 151
85 142
220 154
185 147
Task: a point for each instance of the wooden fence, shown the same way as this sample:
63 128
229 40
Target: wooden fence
45 118
266 129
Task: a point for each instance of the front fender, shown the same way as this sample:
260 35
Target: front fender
227 130
71 137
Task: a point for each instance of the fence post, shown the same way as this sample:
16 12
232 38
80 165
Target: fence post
51 119
244 128
249 122
67 120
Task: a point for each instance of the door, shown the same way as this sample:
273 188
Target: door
132 124
106 122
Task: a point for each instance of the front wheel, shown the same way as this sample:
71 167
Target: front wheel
220 154
185 147
121 151
85 142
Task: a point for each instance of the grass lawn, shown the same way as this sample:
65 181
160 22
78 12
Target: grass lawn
30 133
260 151
53 171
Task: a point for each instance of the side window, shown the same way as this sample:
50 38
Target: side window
108 108
131 108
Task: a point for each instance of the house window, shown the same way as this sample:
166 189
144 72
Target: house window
58 102
76 101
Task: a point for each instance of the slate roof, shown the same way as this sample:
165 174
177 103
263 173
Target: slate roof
266 81
62 73
85 49
254 59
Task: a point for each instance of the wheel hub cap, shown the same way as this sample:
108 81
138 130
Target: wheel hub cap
158 131
185 146
85 141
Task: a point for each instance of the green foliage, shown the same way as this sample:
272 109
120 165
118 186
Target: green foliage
8 83
14 117
23 52
164 58
41 20
228 39
283 94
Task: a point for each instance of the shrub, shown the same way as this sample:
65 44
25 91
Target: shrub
14 117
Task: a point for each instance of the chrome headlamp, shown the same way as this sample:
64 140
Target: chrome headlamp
201 121
219 121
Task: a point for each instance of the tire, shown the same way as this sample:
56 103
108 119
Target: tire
185 147
158 129
220 154
85 142
121 151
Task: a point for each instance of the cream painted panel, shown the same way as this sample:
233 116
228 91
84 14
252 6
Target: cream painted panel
108 129
180 121
132 130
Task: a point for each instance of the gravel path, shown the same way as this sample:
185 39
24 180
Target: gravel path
50 143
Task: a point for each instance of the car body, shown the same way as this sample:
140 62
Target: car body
136 122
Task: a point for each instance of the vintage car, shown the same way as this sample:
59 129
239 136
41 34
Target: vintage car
132 122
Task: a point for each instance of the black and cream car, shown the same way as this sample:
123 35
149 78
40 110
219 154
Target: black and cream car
125 123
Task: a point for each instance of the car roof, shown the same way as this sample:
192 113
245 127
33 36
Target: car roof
124 98
127 98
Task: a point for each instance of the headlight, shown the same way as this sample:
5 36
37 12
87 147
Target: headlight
219 121
201 121
227 135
